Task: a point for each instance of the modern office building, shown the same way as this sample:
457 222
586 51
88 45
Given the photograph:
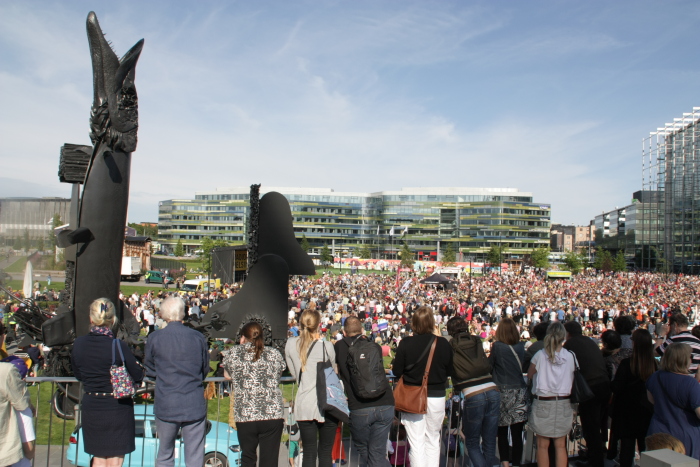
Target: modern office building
624 228
30 216
671 170
471 220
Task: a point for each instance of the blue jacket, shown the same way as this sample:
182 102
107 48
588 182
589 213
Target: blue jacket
177 357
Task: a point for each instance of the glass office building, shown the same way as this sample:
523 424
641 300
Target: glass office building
427 219
671 169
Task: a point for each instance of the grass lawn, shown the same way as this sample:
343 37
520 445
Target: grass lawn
47 420
18 265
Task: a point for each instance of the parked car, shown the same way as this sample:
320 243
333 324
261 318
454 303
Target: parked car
157 277
221 448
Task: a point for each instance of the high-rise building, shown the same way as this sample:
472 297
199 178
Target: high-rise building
670 234
469 220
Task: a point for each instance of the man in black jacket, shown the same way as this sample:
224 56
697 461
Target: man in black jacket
590 360
370 419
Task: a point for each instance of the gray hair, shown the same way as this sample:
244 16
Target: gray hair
172 309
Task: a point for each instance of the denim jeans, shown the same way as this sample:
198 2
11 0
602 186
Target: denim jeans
370 430
480 426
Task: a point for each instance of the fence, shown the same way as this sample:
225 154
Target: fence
59 438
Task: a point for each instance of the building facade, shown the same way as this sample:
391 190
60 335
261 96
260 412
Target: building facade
671 171
30 216
469 220
565 238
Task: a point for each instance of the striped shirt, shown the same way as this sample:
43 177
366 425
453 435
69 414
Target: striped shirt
684 337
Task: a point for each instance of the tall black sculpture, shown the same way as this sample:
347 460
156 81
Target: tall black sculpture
274 255
96 235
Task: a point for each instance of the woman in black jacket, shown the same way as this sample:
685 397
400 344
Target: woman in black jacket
108 424
632 411
507 354
423 430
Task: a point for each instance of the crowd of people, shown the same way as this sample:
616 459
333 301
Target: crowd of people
505 349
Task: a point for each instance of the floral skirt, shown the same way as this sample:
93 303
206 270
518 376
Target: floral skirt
515 404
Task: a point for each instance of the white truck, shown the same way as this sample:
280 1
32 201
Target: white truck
131 268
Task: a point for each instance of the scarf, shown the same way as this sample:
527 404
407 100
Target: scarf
101 331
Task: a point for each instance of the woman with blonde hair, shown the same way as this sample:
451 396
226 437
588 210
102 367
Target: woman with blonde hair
676 398
411 360
552 374
259 412
109 427
506 357
317 429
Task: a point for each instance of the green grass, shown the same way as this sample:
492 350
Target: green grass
18 265
46 418
126 289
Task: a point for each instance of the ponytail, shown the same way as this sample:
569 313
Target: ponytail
308 321
253 333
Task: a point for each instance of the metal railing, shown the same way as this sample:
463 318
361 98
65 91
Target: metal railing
57 425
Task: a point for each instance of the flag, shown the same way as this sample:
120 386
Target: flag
377 230
391 232
405 231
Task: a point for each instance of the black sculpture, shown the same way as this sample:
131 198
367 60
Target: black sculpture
276 255
96 234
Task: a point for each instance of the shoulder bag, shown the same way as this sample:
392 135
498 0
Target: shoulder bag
520 365
329 391
580 390
122 383
414 399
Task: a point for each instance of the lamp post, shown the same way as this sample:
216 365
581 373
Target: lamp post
469 296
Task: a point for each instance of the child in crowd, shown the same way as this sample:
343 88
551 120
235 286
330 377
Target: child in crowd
398 454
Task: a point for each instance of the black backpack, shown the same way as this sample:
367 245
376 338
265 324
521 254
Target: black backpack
366 367
469 359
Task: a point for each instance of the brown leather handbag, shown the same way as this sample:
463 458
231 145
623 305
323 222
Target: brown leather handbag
414 399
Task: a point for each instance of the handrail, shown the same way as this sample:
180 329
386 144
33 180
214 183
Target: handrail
73 379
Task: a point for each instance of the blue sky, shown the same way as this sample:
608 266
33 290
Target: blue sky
550 97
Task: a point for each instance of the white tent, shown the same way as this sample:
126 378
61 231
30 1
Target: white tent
28 274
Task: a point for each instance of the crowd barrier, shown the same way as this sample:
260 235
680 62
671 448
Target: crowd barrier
57 422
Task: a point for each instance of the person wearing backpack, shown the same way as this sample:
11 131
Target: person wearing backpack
482 401
370 399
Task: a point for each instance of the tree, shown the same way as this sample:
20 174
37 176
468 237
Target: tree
603 261
304 243
179 249
364 252
55 222
540 257
573 262
495 255
406 256
205 255
326 256
449 256
145 230
26 242
41 244
619 263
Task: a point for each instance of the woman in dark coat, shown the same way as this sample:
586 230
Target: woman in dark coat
108 424
632 411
